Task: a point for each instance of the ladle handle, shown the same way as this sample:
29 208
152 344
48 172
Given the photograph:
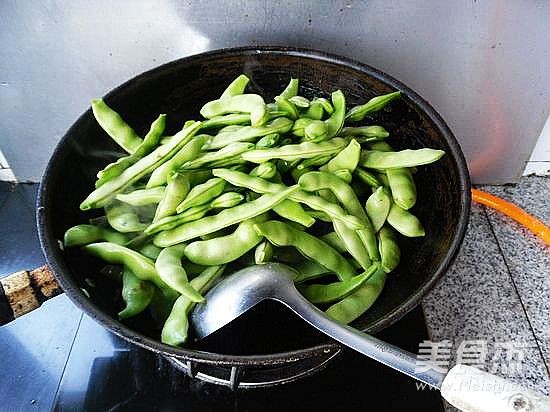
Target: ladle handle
465 387
24 291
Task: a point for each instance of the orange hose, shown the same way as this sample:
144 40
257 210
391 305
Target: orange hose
516 213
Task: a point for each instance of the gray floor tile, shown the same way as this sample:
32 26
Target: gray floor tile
477 300
526 256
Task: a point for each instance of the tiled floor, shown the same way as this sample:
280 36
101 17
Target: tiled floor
499 287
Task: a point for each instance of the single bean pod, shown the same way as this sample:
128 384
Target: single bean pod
225 218
300 101
332 292
287 106
366 133
336 120
314 162
344 174
358 113
367 177
348 158
316 131
375 159
236 87
225 249
142 197
315 110
239 119
174 331
293 211
389 249
170 270
322 216
101 196
378 207
115 126
245 103
293 152
123 217
139 265
176 191
150 141
282 234
149 250
291 89
226 200
354 305
402 187
202 194
325 104
136 293
405 222
83 234
334 240
188 152
309 270
227 152
263 253
268 141
265 170
248 133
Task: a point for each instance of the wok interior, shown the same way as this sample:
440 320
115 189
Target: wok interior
179 90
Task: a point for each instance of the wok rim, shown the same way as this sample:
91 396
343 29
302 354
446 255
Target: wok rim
61 271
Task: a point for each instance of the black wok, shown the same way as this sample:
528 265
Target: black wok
179 89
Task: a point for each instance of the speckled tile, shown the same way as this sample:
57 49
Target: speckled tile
526 256
477 300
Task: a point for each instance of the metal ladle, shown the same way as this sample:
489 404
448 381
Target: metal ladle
465 387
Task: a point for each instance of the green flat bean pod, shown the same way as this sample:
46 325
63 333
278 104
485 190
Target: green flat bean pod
247 103
225 249
374 159
332 292
293 152
136 293
405 222
291 89
389 249
365 133
123 217
263 253
282 234
402 187
358 113
202 194
378 207
115 126
348 158
236 87
171 271
227 152
239 119
177 189
354 305
367 177
142 197
83 234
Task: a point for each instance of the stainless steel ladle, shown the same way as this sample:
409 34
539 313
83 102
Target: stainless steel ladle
465 387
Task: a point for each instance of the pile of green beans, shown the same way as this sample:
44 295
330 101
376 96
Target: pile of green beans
302 181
